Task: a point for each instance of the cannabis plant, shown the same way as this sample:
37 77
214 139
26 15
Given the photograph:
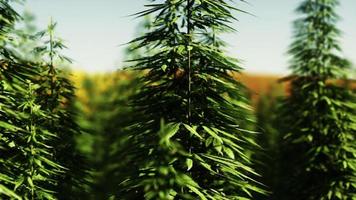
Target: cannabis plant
27 162
268 161
27 158
186 140
110 114
319 115
104 114
57 96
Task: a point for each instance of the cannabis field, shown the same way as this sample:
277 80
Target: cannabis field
180 120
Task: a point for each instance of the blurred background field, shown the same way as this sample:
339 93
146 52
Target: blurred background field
102 96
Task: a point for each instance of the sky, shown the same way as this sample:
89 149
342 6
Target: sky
95 31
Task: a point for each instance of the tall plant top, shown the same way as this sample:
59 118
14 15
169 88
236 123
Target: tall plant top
316 50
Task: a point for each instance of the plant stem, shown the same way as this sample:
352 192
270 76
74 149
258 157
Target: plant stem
189 4
52 72
31 143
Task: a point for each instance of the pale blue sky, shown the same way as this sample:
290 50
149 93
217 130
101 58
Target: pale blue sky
95 29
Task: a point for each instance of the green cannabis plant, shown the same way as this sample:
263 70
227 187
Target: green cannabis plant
27 162
268 161
110 115
319 114
57 96
186 140
38 155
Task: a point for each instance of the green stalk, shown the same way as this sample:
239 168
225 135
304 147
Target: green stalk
189 27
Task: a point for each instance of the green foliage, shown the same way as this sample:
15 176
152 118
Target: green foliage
186 139
319 116
7 18
24 39
132 52
27 159
57 94
268 161
104 113
38 159
27 162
